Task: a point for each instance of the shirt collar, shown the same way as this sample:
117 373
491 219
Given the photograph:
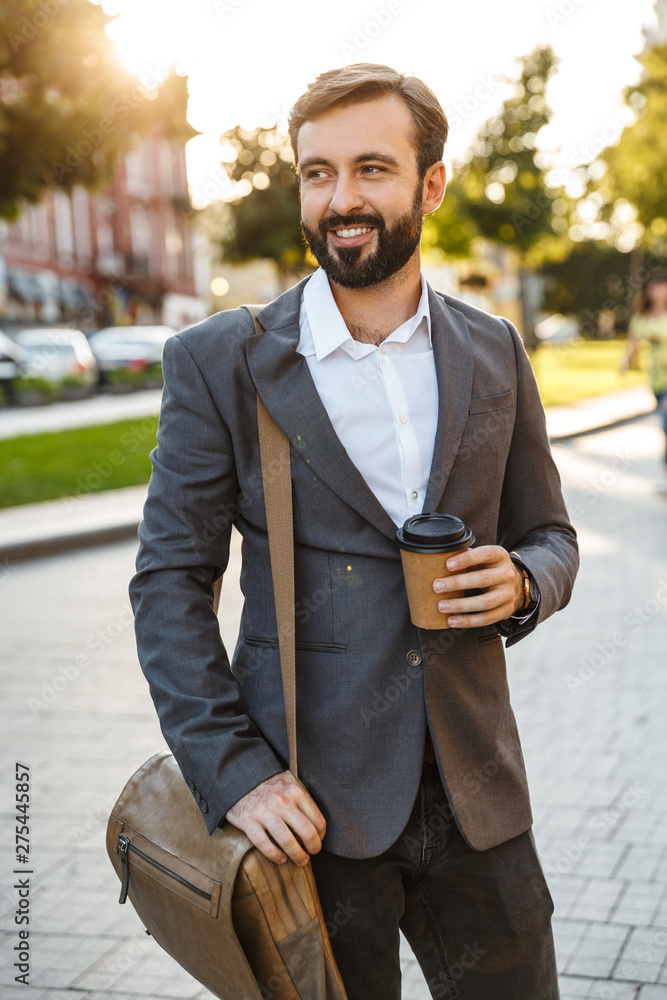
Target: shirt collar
328 328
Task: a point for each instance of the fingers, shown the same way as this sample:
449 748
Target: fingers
281 819
258 836
310 809
489 569
286 830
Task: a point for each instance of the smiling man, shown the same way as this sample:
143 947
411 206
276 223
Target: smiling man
413 807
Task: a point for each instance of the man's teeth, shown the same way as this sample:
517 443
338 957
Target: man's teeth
347 234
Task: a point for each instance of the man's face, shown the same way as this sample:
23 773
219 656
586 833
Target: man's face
361 194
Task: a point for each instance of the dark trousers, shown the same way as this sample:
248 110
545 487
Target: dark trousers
479 922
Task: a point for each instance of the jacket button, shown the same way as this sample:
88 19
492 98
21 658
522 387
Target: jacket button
197 796
191 786
203 806
414 657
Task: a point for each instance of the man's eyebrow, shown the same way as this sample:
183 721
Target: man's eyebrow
312 161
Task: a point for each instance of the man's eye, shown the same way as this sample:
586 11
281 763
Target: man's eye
373 169
314 175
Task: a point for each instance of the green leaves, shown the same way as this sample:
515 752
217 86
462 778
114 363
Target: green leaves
266 214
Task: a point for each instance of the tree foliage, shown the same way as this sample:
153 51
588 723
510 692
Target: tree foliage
500 192
265 214
501 184
637 164
67 106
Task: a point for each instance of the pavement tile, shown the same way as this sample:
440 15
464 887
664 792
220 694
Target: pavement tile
574 988
597 899
606 989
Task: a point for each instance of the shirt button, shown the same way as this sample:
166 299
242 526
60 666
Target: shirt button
404 419
414 657
414 494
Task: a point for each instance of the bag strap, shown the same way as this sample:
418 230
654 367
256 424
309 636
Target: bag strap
274 452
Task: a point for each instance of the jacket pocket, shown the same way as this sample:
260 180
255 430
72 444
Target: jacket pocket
263 642
486 404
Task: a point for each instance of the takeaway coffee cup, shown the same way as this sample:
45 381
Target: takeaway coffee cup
426 542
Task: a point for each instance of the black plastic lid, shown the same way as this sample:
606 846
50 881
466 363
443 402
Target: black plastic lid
434 533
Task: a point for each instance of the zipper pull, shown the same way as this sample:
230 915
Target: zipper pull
123 844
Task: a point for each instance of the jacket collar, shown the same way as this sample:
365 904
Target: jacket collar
284 383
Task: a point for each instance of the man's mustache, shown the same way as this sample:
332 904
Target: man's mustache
350 222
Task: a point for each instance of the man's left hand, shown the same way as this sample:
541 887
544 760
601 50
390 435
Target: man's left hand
488 568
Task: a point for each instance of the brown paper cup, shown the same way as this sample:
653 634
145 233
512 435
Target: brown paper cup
420 570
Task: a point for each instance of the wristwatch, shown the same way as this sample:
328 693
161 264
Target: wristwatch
531 594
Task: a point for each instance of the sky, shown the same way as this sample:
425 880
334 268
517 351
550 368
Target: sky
248 60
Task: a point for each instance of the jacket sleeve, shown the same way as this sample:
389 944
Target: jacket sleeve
184 546
534 522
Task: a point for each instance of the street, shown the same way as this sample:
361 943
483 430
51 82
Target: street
589 690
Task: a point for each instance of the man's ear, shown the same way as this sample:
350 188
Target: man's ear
435 181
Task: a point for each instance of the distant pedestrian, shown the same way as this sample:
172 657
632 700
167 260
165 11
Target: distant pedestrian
650 324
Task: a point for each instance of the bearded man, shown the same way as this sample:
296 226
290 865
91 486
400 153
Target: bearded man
396 399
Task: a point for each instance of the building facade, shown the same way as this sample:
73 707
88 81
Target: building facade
123 255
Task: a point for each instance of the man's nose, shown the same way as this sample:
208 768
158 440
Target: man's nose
347 197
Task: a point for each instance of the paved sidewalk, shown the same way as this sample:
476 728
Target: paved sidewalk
590 695
598 411
105 408
40 529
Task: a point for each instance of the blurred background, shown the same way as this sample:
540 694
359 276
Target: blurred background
145 183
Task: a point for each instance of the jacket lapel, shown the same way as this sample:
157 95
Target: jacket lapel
453 354
284 383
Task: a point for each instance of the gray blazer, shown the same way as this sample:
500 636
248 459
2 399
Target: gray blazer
363 703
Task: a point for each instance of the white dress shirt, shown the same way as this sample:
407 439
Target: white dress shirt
382 401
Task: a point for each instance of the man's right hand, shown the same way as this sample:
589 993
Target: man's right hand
280 809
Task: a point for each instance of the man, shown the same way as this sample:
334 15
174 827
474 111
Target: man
414 808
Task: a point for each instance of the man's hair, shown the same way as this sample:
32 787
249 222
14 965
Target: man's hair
338 88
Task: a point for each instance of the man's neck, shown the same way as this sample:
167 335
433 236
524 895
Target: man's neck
371 314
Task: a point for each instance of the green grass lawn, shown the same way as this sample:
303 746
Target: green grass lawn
88 459
568 372
74 462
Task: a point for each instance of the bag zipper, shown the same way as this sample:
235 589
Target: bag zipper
125 846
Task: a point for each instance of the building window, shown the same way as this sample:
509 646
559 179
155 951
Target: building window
40 227
104 225
138 172
165 165
64 229
81 212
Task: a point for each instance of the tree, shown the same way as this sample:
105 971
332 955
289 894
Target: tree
637 164
501 188
591 281
67 106
265 213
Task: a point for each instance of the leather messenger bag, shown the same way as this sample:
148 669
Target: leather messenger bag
245 928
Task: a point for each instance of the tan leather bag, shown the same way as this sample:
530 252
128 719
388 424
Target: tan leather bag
245 928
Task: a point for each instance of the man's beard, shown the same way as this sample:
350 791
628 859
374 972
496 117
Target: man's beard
395 246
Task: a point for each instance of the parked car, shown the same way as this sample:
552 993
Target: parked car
60 363
12 366
557 329
130 356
